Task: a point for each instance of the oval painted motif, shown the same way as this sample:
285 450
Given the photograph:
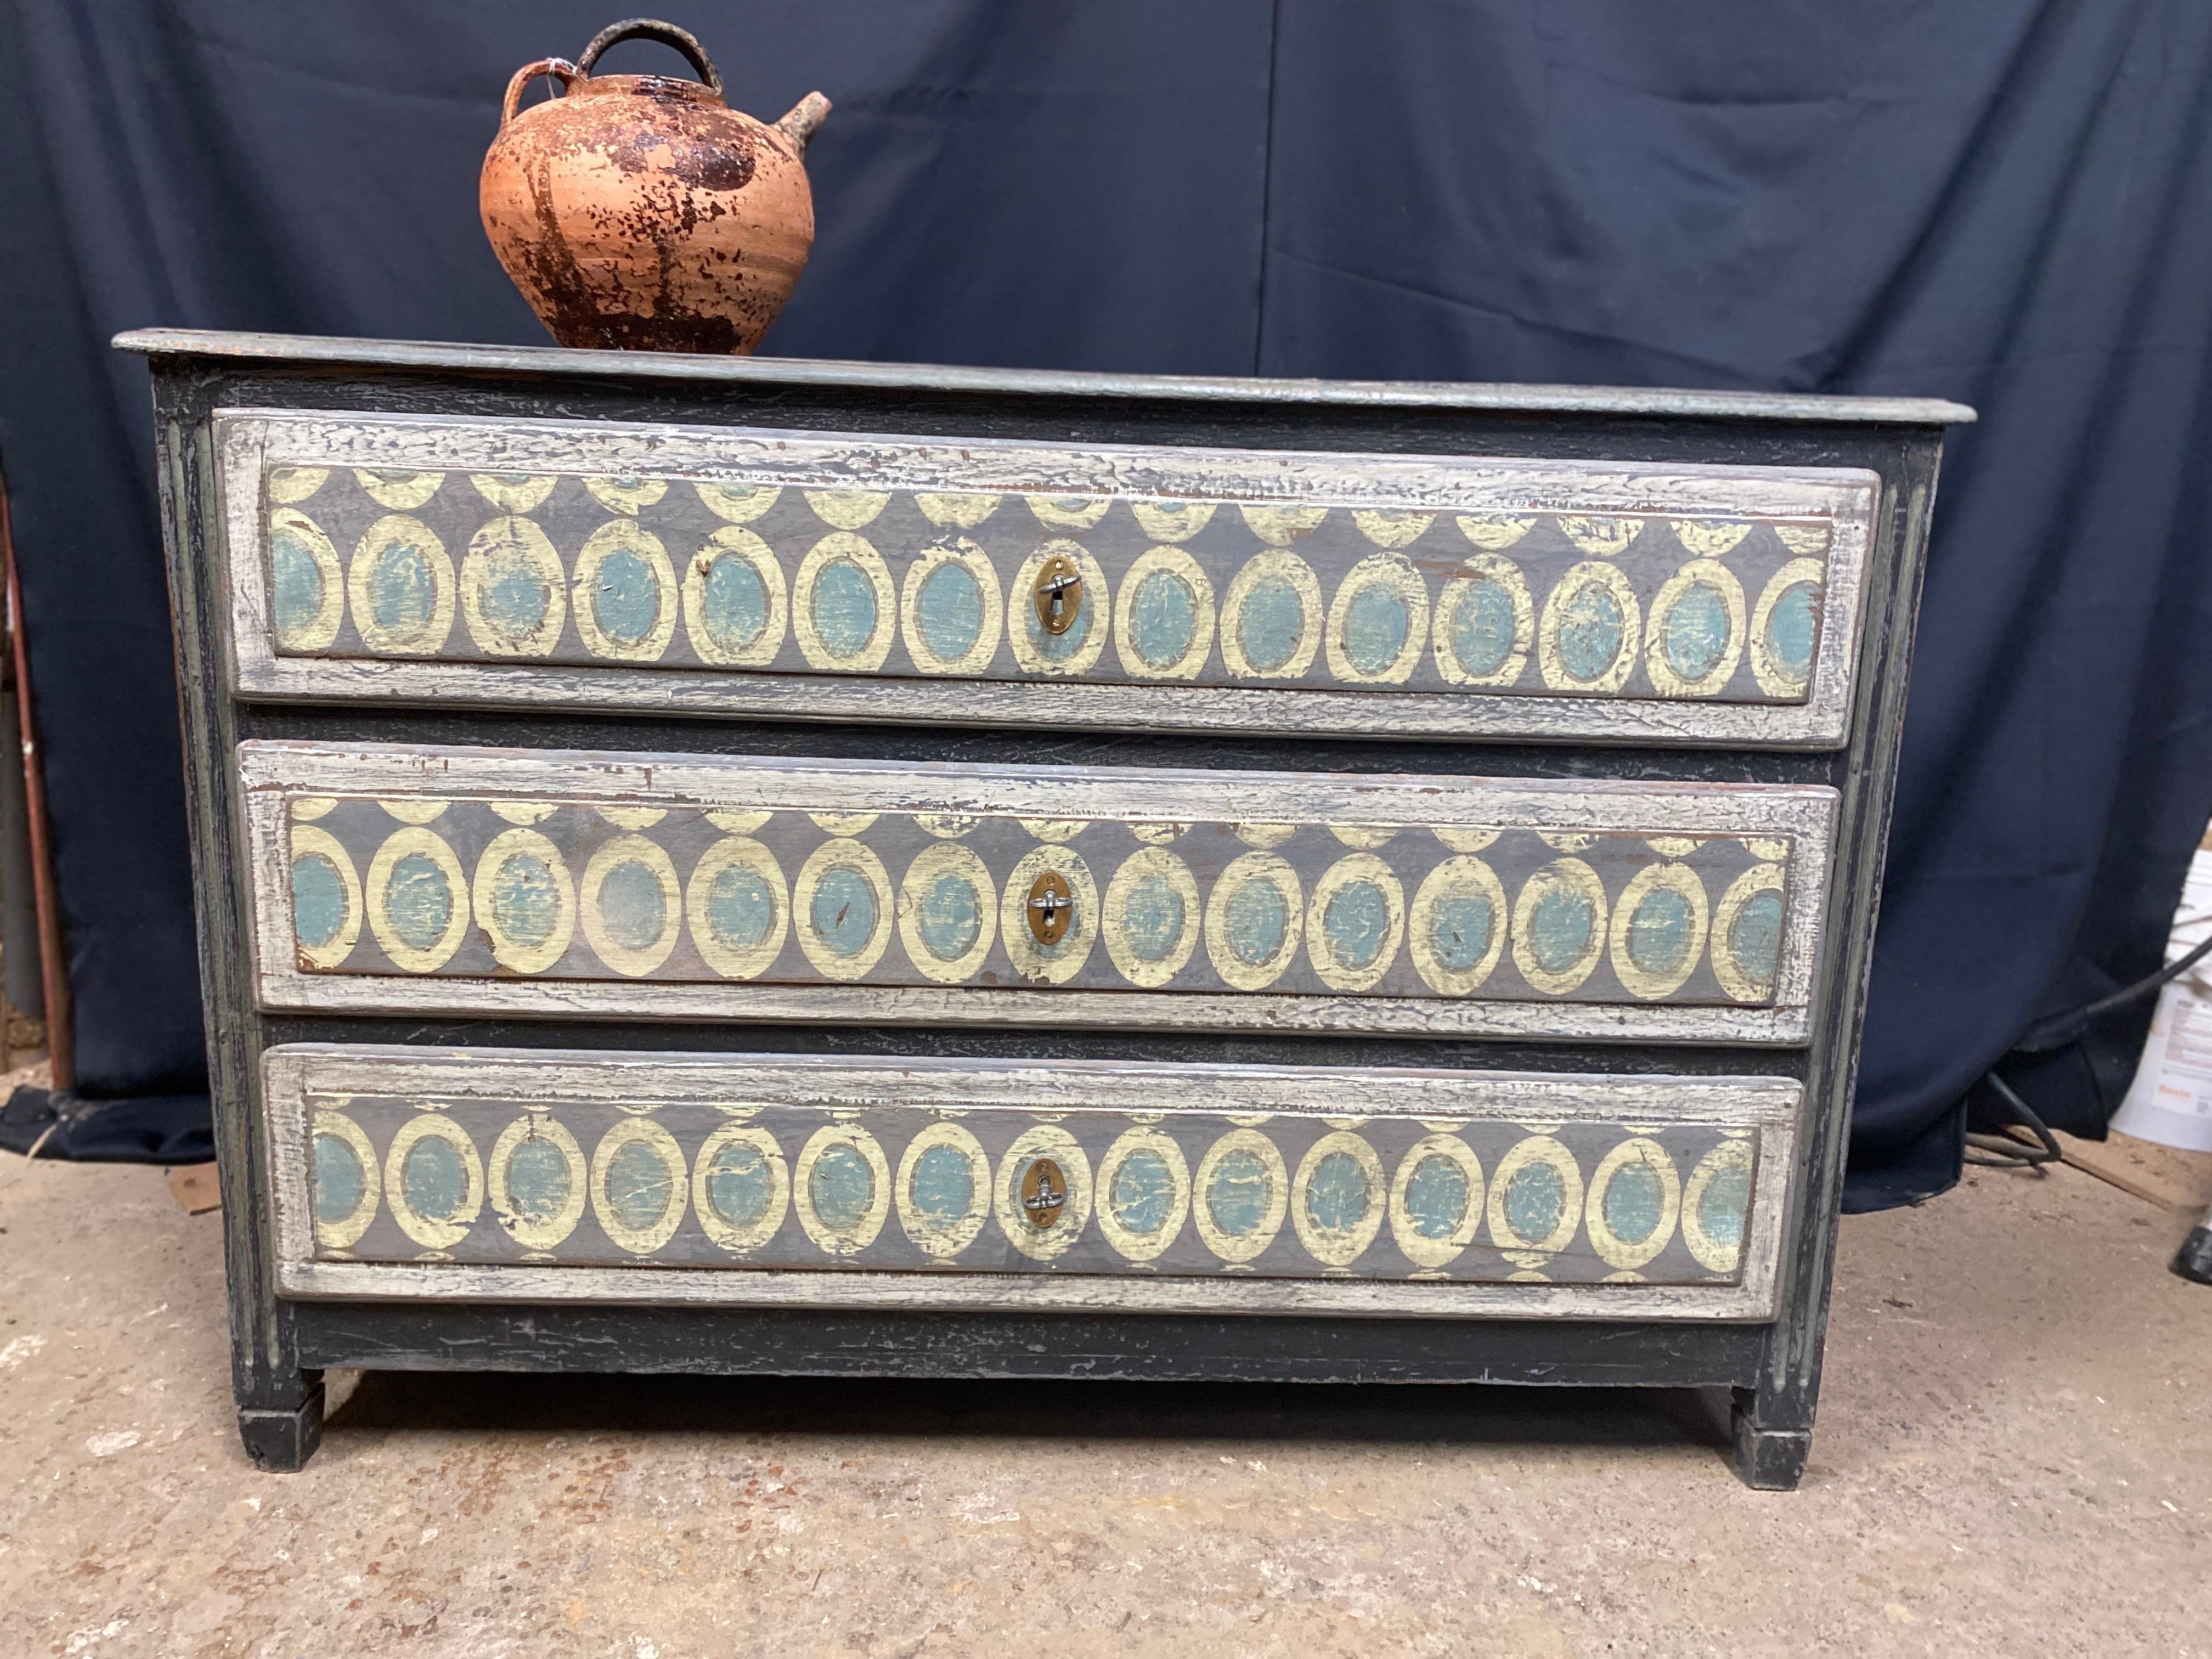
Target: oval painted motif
1378 624
1355 922
1163 622
1591 629
539 1181
1337 1199
640 1185
341 1179
1021 1188
947 913
511 590
400 584
1143 1186
740 1187
952 609
1747 928
524 901
1254 921
416 899
1241 1195
1271 617
1716 1206
1560 926
1785 628
307 592
735 612
842 1189
1152 917
624 593
843 607
1436 1203
433 1181
1536 1197
844 909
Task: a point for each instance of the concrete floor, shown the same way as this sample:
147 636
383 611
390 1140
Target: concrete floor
2014 1458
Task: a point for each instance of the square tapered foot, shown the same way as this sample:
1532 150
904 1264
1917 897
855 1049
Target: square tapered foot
1769 1460
282 1441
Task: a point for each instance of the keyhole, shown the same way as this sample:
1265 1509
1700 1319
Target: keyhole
1057 593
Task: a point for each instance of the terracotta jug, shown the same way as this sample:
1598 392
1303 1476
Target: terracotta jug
640 212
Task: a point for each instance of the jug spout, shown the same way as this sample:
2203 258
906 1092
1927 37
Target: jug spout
806 115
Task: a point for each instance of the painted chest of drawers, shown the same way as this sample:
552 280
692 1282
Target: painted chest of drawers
839 869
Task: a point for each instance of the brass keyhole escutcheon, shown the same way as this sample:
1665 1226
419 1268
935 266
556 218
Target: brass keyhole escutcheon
1057 593
1051 908
1044 1192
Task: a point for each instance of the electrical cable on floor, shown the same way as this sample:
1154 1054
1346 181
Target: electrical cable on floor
2003 1151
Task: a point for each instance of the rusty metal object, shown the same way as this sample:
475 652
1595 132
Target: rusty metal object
1051 907
1057 593
1044 1192
640 212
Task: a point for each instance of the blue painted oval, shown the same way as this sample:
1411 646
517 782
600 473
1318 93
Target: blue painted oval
740 1185
1152 918
1590 631
632 908
1722 1205
626 599
1483 627
1238 1195
1535 1201
1162 619
403 594
340 1180
516 598
1660 931
1436 1196
418 902
950 608
1696 638
1790 625
1635 1201
1460 928
740 908
432 1179
733 603
525 900
1259 919
539 1180
844 914
1356 924
1560 930
318 901
1375 624
843 1188
844 608
950 917
639 1185
1270 624
1338 1197
944 1186
298 584
1143 1197
1754 940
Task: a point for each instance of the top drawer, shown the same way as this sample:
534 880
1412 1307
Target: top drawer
738 570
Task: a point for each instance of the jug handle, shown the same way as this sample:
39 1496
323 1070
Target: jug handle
647 28
559 68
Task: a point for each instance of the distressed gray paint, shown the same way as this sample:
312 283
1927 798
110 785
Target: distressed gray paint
368 808
487 1093
815 670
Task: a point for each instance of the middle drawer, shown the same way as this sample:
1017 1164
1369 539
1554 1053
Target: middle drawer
575 885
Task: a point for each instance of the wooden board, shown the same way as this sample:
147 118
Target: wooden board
507 879
696 1176
767 571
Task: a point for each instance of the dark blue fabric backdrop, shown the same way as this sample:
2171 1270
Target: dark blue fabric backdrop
1999 201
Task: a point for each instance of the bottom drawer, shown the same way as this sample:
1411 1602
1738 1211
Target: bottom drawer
541 1175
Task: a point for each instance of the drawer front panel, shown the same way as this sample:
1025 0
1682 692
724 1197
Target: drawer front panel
752 571
657 1178
675 886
